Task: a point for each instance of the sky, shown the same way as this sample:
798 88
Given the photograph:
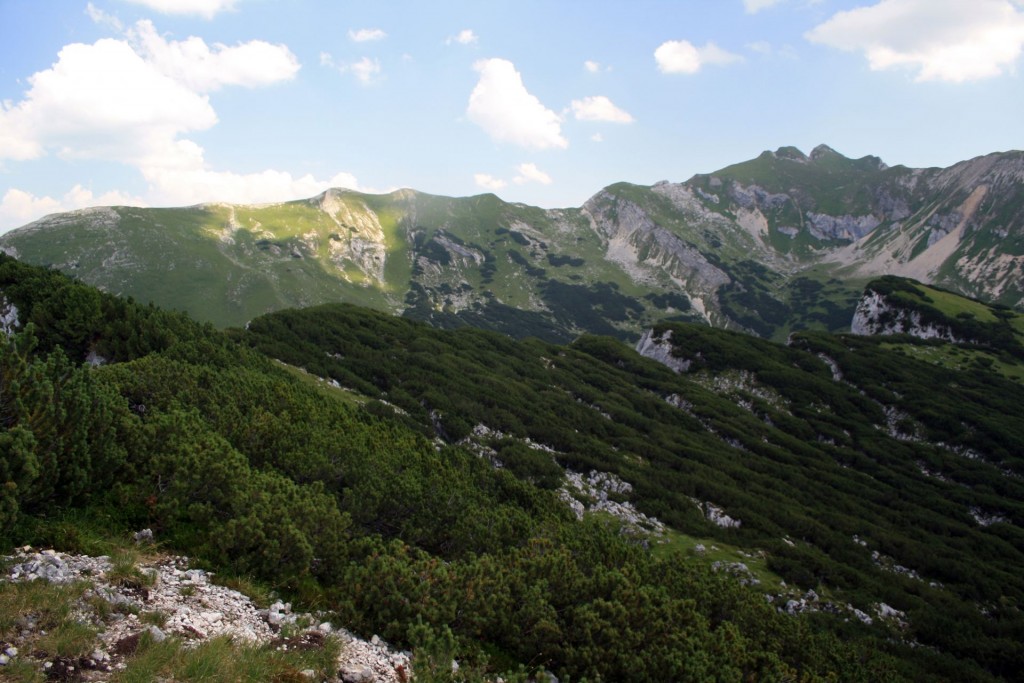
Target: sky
177 102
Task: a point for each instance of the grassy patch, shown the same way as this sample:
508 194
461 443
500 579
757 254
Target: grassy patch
953 305
953 357
48 605
220 659
340 393
49 613
675 544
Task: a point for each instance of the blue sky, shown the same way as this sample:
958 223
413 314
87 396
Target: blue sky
175 102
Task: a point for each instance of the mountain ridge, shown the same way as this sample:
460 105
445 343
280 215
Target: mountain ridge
780 242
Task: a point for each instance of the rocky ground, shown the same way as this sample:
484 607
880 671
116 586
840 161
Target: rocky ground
163 597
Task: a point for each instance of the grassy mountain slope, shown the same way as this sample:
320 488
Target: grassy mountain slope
771 245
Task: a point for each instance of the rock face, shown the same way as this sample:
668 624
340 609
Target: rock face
191 608
359 239
598 490
875 314
9 322
651 252
659 348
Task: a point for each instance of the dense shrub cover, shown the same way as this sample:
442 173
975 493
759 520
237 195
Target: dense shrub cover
382 517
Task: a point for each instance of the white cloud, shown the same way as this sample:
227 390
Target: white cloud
682 57
365 70
364 35
192 185
193 63
19 207
101 101
599 108
947 40
488 182
100 17
204 8
597 137
753 6
134 103
463 37
766 49
592 66
529 173
505 109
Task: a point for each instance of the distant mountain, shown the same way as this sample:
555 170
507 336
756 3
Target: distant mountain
782 242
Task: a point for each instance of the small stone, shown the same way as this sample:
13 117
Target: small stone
11 651
375 640
4 659
144 536
356 674
157 635
308 673
325 627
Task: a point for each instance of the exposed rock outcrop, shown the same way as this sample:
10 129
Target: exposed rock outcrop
659 348
190 607
876 314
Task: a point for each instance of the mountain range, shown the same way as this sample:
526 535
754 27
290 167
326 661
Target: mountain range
782 242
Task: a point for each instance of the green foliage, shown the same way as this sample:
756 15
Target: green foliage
59 437
382 516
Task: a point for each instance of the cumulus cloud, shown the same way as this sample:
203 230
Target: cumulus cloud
502 106
683 57
463 37
19 207
592 66
101 101
940 40
204 69
204 8
365 35
488 182
597 137
134 101
529 173
599 108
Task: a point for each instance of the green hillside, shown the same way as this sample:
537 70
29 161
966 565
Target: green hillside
831 509
776 244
